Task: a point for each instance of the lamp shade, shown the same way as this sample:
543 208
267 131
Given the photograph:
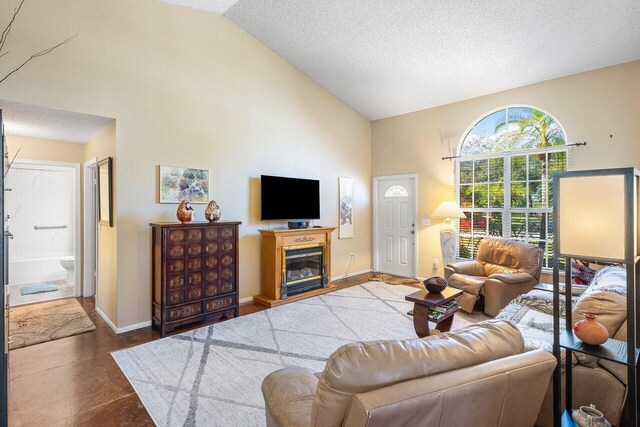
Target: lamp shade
593 213
448 209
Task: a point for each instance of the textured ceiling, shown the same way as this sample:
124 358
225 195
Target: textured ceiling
46 123
388 57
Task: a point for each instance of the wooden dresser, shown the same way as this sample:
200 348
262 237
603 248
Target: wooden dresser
195 273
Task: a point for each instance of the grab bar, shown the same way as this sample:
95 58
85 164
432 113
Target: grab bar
49 227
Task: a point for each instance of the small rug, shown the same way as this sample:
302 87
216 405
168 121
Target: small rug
395 280
47 321
38 289
212 376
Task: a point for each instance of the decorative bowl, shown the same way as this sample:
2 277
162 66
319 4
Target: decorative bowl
435 285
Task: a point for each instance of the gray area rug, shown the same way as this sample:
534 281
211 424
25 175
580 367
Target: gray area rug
211 376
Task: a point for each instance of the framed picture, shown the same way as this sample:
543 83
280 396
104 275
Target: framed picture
178 184
105 191
345 229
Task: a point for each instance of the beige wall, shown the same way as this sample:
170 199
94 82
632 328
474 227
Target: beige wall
190 88
44 149
591 107
101 146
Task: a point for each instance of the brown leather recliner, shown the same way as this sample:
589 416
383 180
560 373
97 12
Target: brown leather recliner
476 376
503 270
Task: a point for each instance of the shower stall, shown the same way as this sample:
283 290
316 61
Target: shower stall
42 210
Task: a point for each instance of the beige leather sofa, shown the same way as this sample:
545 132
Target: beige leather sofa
476 376
503 270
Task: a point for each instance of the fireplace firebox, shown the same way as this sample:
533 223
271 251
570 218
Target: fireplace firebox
303 269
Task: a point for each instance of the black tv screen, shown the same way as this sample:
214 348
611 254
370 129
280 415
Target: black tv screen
290 198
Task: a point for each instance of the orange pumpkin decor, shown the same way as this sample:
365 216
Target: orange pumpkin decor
185 212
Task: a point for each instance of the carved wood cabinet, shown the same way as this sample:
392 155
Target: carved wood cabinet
195 273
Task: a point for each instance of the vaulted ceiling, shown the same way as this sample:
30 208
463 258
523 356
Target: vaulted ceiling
388 57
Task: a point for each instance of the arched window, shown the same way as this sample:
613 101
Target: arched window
396 191
504 178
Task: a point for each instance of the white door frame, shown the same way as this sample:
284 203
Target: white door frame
90 223
77 230
376 184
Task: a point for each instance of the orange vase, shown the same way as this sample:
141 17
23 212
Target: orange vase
590 331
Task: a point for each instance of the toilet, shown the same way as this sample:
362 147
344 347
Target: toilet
68 264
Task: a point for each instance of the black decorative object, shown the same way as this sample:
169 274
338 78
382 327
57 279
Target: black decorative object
613 196
436 284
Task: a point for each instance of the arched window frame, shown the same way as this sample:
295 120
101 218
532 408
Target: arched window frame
396 191
507 221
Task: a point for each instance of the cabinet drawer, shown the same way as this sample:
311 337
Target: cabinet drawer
175 281
175 297
211 233
227 232
175 266
218 304
194 249
211 262
177 235
184 311
194 279
194 264
194 234
228 273
176 250
228 245
211 276
194 293
211 289
211 248
227 260
227 286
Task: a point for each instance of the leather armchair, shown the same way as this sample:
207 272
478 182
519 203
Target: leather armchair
503 270
477 376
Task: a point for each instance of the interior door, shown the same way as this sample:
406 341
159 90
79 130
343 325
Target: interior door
4 324
395 226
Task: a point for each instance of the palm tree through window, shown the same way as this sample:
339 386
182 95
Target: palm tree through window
504 178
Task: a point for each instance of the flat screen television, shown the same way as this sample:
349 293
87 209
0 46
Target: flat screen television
289 198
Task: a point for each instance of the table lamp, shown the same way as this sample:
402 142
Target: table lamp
448 233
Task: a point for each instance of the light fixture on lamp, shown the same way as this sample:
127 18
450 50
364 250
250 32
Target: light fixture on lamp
448 234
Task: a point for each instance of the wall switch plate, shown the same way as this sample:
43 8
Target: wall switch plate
426 221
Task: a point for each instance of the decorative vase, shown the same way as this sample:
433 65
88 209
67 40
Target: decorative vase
212 213
590 331
589 416
184 212
435 285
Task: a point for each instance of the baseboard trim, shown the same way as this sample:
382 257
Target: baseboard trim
124 329
246 300
107 320
134 327
355 273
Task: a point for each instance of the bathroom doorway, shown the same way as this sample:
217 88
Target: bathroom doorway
42 209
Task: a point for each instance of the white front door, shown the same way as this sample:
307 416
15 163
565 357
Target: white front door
395 225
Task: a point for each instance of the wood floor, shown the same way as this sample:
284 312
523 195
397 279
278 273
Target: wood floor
74 381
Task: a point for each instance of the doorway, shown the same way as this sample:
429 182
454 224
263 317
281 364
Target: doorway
394 224
90 227
42 208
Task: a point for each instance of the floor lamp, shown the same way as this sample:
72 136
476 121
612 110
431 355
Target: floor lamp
596 218
448 233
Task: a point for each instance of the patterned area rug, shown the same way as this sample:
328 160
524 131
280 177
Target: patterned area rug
395 280
212 375
47 321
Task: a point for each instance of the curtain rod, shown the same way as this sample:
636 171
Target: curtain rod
577 144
